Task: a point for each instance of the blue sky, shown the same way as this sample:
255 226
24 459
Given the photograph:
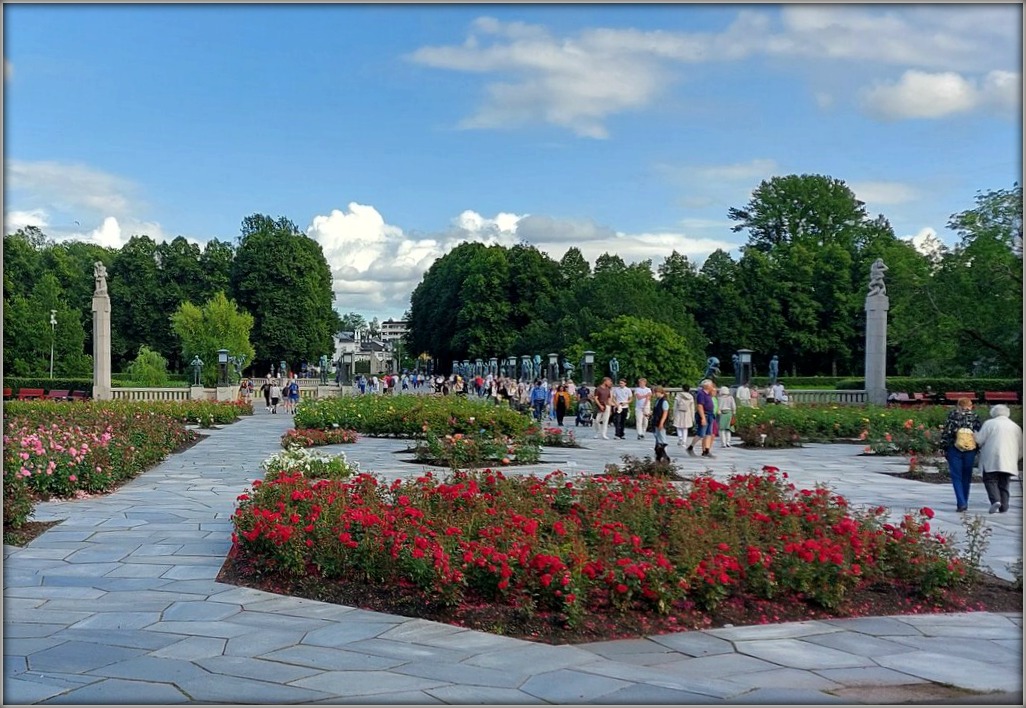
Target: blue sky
392 133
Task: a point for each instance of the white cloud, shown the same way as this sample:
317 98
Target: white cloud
71 186
926 242
375 265
726 185
884 192
68 198
918 94
579 80
14 220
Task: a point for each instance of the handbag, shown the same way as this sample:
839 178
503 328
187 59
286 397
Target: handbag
965 440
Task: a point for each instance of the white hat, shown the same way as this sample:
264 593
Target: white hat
724 391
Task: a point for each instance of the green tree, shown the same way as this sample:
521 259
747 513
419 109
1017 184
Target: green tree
217 324
148 368
646 348
140 303
282 278
976 293
352 322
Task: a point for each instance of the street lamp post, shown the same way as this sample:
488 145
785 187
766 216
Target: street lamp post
53 337
222 367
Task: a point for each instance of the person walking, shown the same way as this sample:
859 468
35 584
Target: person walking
275 395
660 414
642 406
293 395
621 404
538 398
705 409
684 415
266 390
727 408
1000 443
958 440
562 404
602 395
744 395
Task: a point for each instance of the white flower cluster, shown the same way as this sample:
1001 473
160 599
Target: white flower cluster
312 465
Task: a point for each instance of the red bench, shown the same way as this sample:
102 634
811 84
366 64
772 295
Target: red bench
953 396
27 394
1001 396
7 394
79 396
60 395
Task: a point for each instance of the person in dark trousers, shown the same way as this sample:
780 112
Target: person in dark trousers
660 413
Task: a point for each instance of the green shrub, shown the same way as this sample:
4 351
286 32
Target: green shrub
410 416
909 384
149 368
16 383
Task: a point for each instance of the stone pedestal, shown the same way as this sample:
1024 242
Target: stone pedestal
225 393
197 393
101 347
876 349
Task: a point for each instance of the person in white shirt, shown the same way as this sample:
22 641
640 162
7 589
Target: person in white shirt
620 398
642 406
744 395
779 395
1000 443
727 408
683 414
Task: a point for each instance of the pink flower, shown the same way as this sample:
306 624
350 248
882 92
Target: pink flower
72 478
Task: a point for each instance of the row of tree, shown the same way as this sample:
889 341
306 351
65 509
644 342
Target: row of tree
797 290
161 292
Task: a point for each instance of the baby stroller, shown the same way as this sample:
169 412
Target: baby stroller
583 414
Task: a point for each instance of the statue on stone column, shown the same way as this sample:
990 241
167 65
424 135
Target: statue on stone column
323 364
876 278
712 368
197 370
614 369
774 369
100 274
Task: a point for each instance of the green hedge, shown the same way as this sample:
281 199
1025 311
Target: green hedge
16 383
909 384
814 382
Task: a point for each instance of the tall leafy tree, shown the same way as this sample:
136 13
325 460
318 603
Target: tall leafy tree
646 348
281 276
203 330
140 305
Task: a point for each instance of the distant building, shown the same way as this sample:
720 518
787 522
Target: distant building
391 330
370 356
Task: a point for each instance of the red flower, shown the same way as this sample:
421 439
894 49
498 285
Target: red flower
770 469
927 512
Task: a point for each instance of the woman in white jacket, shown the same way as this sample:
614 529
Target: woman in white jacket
683 414
1000 443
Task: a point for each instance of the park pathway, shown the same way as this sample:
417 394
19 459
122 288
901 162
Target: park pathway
118 604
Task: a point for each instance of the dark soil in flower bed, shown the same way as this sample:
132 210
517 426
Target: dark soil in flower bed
990 594
27 532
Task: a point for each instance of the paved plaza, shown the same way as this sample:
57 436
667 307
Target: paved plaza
118 605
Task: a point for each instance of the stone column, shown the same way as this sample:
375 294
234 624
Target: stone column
877 304
101 336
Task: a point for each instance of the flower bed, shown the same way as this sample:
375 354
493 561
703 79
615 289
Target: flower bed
558 437
57 449
475 450
410 416
311 437
311 465
577 551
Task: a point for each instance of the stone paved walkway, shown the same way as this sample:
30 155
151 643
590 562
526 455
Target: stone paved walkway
118 605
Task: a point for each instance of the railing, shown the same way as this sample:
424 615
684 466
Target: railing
826 396
150 394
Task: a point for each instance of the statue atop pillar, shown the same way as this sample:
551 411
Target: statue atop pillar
100 274
876 278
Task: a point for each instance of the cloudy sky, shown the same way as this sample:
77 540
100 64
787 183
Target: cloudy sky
391 134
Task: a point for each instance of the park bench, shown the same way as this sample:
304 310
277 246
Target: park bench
952 396
27 394
79 396
7 394
58 395
1001 396
902 399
